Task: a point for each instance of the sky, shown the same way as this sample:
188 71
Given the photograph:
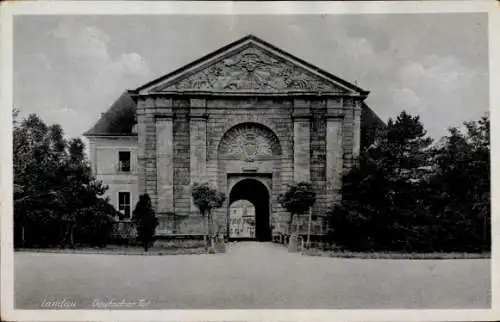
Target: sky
69 69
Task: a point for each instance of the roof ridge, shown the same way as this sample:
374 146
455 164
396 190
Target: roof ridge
117 119
259 41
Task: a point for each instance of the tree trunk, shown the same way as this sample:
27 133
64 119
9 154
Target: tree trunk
290 223
205 238
211 231
209 225
71 237
308 244
485 229
212 243
22 236
66 235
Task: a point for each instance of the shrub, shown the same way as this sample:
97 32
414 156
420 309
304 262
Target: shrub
207 198
146 221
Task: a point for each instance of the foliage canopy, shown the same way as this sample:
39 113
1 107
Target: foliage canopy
407 195
54 187
206 198
298 198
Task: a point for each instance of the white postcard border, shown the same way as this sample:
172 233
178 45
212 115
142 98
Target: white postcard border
227 8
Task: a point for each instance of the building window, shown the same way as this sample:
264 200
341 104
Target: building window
124 161
124 203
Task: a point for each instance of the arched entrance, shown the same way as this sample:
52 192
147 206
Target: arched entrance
258 195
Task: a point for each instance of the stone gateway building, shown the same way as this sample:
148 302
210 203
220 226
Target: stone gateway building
249 119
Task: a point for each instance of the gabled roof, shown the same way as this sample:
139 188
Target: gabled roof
118 119
371 126
278 69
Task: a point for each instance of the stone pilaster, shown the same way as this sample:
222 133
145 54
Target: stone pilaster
334 150
356 130
164 156
198 143
301 140
348 104
146 131
141 150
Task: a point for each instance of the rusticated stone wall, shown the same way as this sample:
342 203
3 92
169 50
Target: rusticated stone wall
181 132
318 156
318 140
273 114
146 128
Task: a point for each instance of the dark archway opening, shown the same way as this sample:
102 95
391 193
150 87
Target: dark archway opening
256 193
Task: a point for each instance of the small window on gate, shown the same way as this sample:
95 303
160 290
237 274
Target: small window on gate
124 161
124 203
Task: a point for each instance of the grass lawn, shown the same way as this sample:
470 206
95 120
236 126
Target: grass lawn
191 247
185 247
393 255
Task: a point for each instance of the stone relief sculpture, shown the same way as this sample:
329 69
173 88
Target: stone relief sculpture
251 69
248 142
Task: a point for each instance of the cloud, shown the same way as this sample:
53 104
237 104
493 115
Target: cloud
83 43
62 115
296 32
356 48
132 63
87 47
443 92
96 76
78 78
444 71
406 97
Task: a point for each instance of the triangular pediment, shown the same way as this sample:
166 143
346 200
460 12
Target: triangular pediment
250 65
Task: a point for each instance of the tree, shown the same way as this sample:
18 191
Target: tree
206 199
34 169
381 197
145 220
54 190
460 187
15 116
297 200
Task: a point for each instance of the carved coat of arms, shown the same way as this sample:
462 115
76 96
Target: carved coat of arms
251 69
248 143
